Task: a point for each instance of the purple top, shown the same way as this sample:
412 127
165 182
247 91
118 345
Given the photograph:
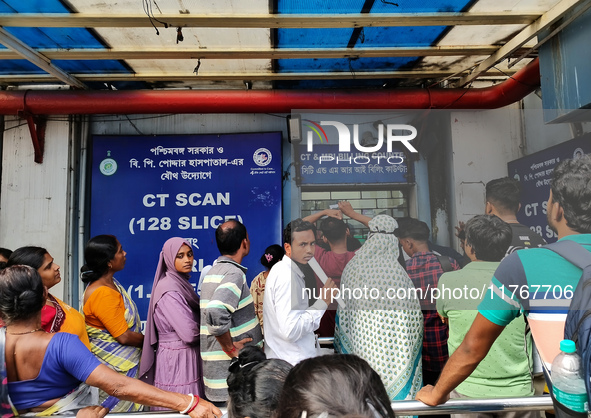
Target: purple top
167 279
66 361
178 360
175 320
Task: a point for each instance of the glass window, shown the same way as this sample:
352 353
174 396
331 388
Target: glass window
315 195
345 195
367 202
384 194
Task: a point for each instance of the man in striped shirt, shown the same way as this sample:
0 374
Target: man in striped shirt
228 320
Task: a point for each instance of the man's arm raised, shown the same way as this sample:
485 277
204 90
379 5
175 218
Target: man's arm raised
348 210
333 213
463 361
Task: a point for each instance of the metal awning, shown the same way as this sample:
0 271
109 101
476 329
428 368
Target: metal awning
282 44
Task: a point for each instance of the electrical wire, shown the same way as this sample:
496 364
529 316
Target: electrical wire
462 95
58 119
103 118
134 127
14 127
147 6
513 78
196 69
453 75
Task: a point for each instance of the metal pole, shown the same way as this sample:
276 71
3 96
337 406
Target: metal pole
463 406
454 406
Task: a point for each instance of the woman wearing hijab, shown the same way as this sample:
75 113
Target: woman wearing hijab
385 326
171 357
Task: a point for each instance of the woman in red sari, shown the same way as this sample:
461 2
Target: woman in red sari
56 316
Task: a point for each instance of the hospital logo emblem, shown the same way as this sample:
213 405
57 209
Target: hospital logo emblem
108 166
262 157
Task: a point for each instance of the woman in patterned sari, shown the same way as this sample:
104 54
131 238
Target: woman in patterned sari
385 329
56 316
112 318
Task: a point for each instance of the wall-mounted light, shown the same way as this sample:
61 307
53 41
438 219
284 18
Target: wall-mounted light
294 128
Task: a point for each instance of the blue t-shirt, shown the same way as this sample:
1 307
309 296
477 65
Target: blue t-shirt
539 283
67 362
533 281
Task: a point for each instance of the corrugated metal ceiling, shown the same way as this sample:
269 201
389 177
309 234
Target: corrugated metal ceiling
262 45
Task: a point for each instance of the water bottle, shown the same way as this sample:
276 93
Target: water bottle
567 378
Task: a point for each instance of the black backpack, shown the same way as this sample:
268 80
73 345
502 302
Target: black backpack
578 320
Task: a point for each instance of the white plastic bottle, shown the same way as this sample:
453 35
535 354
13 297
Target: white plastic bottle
567 378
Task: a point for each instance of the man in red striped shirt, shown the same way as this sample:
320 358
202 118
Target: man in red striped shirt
424 269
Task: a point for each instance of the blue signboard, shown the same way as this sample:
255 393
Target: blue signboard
534 172
327 165
146 189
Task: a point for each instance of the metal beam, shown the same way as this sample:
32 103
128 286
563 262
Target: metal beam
543 23
28 53
188 78
37 126
260 53
80 20
563 24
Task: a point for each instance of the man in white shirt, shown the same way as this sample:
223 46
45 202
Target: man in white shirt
289 319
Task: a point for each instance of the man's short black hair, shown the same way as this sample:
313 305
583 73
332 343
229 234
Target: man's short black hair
297 225
229 237
489 236
504 194
5 252
571 188
333 229
412 228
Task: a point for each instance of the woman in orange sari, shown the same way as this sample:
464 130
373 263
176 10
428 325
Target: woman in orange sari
56 316
112 318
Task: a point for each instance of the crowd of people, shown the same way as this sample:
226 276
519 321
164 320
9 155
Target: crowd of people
393 340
